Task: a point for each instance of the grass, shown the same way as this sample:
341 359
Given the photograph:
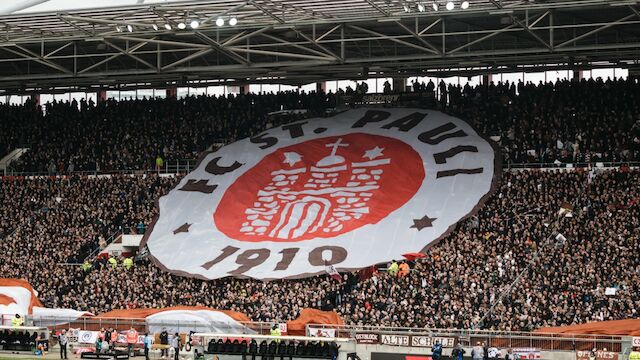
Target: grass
6 356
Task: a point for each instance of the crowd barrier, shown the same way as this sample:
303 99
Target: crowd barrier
498 339
186 166
168 170
382 335
91 323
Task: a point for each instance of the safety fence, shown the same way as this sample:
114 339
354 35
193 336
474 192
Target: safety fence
169 168
570 166
96 323
173 167
492 338
381 335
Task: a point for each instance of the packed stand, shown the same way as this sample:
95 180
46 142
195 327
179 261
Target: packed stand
564 122
47 223
12 123
585 121
133 134
453 286
64 220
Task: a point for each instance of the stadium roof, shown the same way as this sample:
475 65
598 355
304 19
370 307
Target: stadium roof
47 46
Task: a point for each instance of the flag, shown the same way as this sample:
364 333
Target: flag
333 272
331 182
566 209
413 256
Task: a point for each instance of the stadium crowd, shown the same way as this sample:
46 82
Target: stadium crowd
567 121
453 286
53 222
48 222
131 135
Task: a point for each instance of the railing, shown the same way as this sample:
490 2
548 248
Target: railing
97 250
187 165
97 323
179 166
499 339
17 153
87 173
569 166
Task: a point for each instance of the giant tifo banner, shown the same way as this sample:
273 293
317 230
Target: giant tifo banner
18 297
357 189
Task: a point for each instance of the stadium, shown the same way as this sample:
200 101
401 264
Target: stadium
320 179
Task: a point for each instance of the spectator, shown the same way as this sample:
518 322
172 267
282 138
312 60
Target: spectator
458 352
100 348
436 350
107 337
477 353
132 339
403 269
114 340
392 268
275 331
485 351
17 321
175 344
40 344
127 263
62 342
509 355
147 345
387 87
159 163
86 266
164 340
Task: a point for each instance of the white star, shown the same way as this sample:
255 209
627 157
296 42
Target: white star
373 153
291 158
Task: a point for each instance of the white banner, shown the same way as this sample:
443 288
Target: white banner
395 340
122 338
321 332
527 353
87 337
184 321
357 189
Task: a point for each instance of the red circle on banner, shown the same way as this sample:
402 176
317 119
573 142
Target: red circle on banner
320 188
